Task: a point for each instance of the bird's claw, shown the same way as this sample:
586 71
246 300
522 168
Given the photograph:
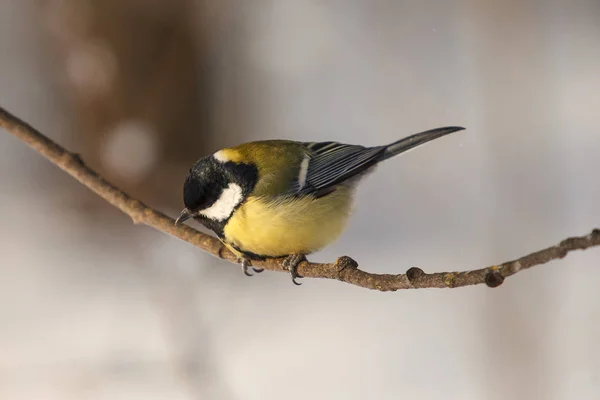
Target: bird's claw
246 264
291 264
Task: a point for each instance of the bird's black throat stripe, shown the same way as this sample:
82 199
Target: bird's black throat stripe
215 226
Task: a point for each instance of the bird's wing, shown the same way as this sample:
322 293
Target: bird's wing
329 163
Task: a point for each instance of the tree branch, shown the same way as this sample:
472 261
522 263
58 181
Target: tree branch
343 269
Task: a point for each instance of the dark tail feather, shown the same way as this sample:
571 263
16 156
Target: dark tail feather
418 139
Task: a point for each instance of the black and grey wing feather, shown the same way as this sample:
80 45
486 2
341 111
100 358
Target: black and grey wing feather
331 163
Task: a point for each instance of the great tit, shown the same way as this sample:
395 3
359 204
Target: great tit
277 198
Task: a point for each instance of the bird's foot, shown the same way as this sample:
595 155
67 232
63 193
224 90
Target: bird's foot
291 264
246 264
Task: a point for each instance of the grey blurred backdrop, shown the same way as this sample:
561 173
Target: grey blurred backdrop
93 307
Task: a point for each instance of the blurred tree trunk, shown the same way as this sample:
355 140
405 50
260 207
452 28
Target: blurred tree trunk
131 72
135 77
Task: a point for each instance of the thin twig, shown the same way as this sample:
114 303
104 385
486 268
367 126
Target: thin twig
343 269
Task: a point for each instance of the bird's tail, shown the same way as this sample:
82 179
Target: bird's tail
417 139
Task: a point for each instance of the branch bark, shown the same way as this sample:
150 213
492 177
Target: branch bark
343 269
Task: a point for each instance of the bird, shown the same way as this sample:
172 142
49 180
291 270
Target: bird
283 198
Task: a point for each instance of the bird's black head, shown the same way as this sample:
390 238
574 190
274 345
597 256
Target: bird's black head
213 189
203 185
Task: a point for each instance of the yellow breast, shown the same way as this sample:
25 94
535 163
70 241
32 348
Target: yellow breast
289 225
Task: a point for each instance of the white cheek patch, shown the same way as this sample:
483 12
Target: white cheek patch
230 198
220 156
303 171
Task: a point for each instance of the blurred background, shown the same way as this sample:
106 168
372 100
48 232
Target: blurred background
93 307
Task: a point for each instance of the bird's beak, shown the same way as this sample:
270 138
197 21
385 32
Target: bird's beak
184 216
